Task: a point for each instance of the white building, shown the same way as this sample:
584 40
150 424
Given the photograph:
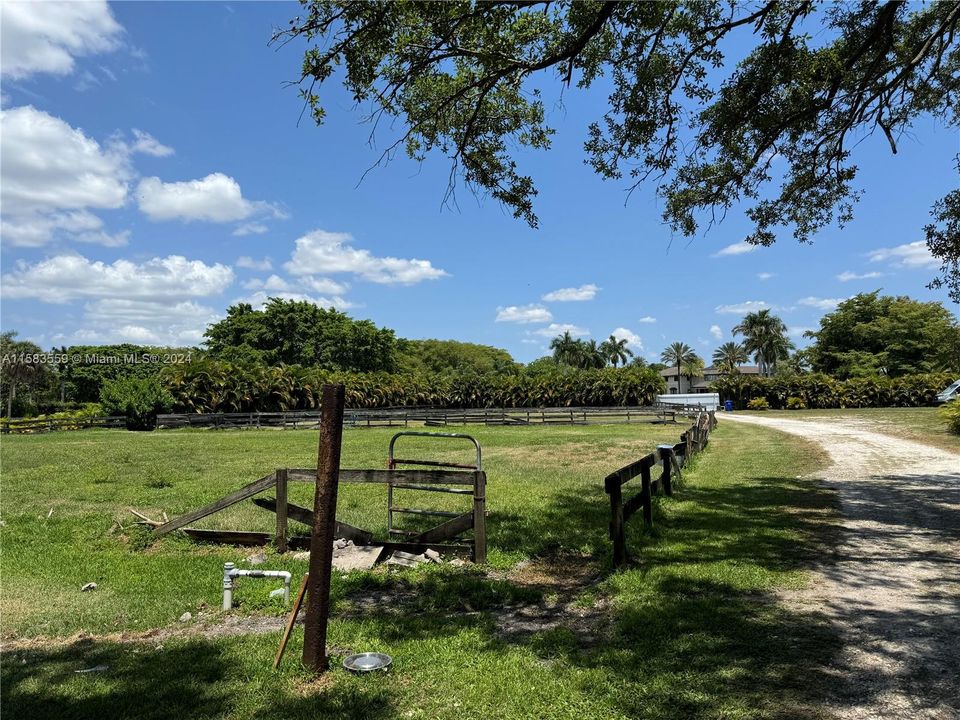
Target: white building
701 383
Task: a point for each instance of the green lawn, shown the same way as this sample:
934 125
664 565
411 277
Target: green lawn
688 631
923 425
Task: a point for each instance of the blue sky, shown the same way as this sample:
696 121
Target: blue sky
154 172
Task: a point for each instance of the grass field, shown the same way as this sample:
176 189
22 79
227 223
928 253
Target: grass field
923 425
688 631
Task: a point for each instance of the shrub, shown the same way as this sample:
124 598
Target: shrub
759 403
951 413
795 403
822 391
217 386
140 399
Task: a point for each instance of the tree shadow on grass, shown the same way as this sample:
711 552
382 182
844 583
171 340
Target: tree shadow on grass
679 645
193 680
693 649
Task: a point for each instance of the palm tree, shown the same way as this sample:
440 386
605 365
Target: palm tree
765 336
676 355
589 355
692 368
616 350
565 348
729 355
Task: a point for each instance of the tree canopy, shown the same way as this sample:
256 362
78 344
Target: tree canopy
729 356
451 356
684 109
296 332
765 336
872 333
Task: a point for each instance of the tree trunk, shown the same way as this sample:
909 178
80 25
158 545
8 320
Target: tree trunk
10 397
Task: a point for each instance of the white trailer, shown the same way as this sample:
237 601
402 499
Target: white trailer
709 401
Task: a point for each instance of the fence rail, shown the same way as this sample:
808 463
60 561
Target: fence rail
434 417
42 425
374 417
671 458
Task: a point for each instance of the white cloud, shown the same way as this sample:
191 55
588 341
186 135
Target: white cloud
51 175
766 275
743 308
847 276
821 303
63 278
323 253
798 330
273 283
324 285
524 314
277 284
251 228
244 261
46 37
737 248
584 292
647 319
909 255
215 198
145 321
716 332
633 340
554 329
260 298
147 144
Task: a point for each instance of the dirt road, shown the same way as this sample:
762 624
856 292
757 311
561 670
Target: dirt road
893 587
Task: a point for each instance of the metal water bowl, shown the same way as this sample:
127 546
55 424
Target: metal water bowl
367 662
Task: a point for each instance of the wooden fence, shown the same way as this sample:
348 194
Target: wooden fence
671 458
42 425
433 417
444 537
373 417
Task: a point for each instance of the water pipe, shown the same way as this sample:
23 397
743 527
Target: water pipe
230 572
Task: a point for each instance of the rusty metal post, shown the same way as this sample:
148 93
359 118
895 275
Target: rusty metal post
324 520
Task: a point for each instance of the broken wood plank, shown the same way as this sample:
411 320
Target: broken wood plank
224 502
449 529
144 518
291 619
242 537
305 516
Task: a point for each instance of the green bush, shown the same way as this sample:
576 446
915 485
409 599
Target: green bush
140 399
795 403
758 404
951 413
217 386
820 391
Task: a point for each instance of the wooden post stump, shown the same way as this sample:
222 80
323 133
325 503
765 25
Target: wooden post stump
324 520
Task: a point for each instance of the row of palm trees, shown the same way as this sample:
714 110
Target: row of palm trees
588 354
211 385
765 338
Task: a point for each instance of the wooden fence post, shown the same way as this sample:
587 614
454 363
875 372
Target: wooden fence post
280 540
665 452
480 518
646 496
324 520
617 533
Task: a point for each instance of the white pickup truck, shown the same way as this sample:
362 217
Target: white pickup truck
951 393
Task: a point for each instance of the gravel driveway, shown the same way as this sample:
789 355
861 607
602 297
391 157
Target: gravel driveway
893 586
